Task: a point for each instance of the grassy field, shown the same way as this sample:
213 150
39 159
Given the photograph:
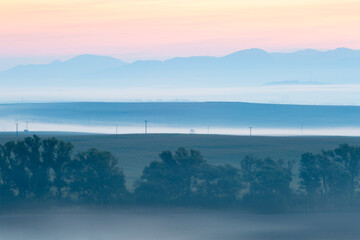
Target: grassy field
135 151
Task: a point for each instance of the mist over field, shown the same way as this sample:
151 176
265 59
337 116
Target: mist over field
177 224
273 94
183 117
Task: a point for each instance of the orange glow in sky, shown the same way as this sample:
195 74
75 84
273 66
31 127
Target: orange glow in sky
167 28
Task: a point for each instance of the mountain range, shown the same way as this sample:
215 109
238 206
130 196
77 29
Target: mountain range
252 67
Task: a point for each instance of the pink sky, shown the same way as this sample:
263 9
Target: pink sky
135 29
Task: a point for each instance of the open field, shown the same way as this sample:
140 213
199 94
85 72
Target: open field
135 151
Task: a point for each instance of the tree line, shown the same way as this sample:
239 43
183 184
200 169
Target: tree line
35 170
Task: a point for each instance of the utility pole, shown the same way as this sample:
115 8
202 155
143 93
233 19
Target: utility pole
302 129
116 129
17 130
146 126
250 131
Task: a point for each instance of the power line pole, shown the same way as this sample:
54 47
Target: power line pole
250 128
17 129
116 129
146 126
302 129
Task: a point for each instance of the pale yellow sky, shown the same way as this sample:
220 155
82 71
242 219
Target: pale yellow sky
166 28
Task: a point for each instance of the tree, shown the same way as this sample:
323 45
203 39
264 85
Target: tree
273 178
35 169
39 179
7 188
184 178
20 172
63 158
349 157
96 178
218 185
268 181
309 174
249 168
172 179
322 177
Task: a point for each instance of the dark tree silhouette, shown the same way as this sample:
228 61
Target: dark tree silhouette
33 170
96 178
219 185
324 178
268 183
249 168
349 157
171 180
185 178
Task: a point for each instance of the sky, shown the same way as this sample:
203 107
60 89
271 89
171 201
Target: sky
40 30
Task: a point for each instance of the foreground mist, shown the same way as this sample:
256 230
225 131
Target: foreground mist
177 224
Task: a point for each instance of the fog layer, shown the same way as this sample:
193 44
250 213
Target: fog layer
178 225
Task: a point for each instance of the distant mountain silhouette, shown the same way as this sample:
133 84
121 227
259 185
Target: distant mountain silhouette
251 67
282 83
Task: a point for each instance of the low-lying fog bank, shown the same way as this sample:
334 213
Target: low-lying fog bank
179 224
233 118
43 128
